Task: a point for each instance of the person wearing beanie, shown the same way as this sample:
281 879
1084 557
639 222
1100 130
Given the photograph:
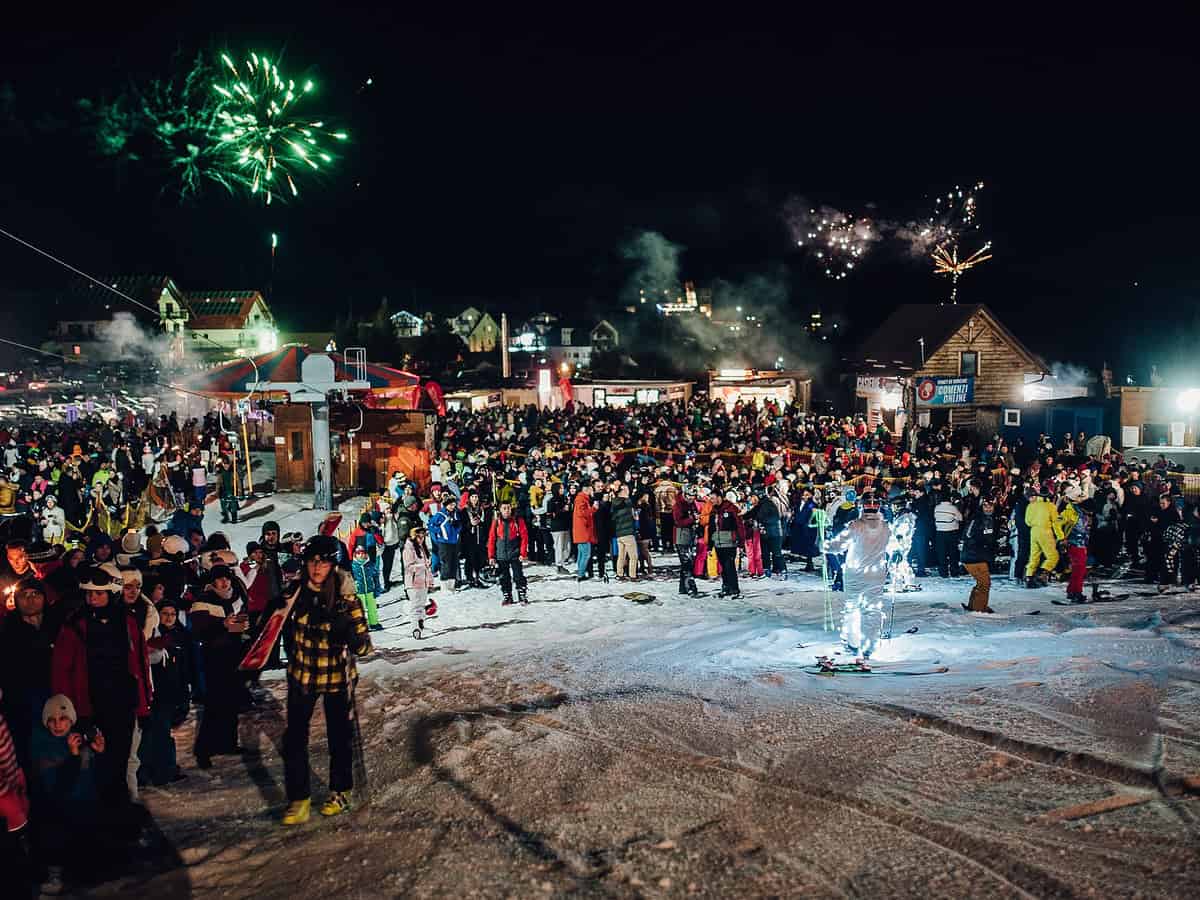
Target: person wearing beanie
362 568
69 762
101 663
220 619
328 632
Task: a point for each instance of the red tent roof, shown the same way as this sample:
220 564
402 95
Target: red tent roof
234 378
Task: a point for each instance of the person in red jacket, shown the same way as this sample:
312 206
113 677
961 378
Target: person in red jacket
101 663
687 519
583 528
508 547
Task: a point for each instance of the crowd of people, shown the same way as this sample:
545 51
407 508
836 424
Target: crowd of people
112 630
113 626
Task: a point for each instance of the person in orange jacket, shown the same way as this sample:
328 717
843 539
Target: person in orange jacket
583 528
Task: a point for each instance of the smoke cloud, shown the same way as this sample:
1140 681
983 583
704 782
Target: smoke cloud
655 266
1072 374
125 339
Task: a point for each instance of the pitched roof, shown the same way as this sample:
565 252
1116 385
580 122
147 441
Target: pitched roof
221 310
896 343
83 299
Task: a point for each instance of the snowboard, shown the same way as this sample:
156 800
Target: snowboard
1112 598
260 650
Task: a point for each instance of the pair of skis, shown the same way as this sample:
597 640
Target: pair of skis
827 665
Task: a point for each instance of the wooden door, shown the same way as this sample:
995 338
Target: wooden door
299 473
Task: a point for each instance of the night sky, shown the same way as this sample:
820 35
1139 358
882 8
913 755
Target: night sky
503 162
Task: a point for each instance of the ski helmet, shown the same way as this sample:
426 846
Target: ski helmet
322 547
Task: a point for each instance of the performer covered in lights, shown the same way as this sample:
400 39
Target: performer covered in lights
865 577
898 549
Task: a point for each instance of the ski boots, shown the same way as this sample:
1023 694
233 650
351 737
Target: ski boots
419 631
338 803
507 601
523 596
297 812
1034 582
1077 598
375 627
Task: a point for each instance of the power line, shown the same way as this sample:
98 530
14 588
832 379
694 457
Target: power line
67 265
69 360
108 287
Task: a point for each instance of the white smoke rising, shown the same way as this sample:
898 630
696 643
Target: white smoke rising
125 339
1072 374
656 266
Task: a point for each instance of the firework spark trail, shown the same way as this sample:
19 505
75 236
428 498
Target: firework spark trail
946 262
836 240
954 217
261 137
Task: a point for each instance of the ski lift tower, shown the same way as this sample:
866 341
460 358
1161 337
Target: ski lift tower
318 380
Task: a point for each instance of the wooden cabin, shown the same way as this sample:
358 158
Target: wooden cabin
965 364
367 446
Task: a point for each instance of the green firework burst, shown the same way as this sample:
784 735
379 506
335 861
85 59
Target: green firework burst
263 141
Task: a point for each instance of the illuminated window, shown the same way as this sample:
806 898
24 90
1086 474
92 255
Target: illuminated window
1012 417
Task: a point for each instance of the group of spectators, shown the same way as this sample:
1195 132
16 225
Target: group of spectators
105 643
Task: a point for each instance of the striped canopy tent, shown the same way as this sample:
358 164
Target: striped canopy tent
234 379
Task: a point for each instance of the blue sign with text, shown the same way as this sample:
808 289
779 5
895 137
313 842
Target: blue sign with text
945 391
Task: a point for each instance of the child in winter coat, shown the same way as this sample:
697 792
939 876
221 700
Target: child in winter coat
418 578
364 571
64 785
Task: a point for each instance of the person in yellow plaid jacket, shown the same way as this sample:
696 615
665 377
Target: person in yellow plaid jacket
326 631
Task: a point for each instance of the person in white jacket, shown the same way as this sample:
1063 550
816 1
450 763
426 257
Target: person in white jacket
947 520
418 579
54 522
865 577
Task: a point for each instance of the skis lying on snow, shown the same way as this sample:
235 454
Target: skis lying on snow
829 666
639 597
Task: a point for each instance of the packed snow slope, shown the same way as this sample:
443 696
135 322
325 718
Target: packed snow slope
589 745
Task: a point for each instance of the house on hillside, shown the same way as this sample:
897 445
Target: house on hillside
485 336
226 323
464 323
93 322
963 364
407 324
574 343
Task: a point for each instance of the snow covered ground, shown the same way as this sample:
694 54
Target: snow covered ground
589 745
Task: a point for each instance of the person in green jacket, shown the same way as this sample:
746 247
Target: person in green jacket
623 531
